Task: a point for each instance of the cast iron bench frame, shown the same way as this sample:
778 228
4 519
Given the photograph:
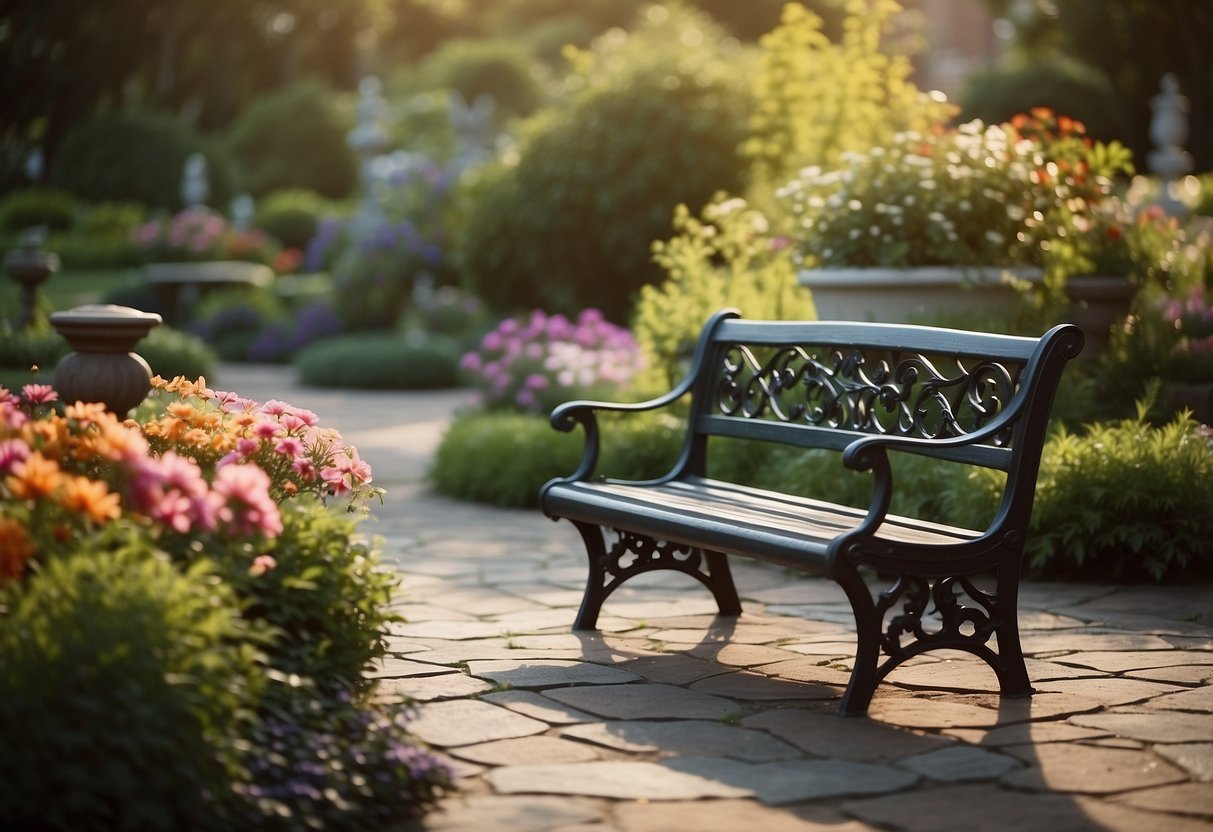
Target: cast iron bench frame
862 390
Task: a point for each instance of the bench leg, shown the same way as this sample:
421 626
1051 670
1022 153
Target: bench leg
633 554
1011 669
865 675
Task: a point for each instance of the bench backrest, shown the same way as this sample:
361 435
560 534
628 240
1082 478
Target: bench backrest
823 384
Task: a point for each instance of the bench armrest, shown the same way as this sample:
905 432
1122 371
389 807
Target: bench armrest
585 412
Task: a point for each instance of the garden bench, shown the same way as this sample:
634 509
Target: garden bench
862 390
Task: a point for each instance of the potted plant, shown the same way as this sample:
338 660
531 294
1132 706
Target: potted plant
909 224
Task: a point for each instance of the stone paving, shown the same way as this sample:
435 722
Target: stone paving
671 718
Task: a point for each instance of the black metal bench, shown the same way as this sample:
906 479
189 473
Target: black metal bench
862 390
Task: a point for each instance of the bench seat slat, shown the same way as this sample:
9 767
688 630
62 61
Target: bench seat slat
721 516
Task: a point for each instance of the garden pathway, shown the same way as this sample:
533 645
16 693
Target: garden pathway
670 719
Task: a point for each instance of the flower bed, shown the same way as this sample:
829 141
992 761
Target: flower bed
186 615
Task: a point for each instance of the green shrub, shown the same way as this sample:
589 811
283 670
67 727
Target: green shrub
137 157
115 636
79 250
1064 85
38 345
37 206
171 353
111 219
294 138
499 69
292 216
650 123
1122 501
503 458
230 321
729 256
381 361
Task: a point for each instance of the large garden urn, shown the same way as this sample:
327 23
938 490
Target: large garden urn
104 367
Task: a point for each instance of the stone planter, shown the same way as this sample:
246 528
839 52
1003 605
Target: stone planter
103 367
1097 305
915 295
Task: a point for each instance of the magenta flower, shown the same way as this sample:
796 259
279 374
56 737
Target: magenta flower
289 447
245 505
39 393
12 451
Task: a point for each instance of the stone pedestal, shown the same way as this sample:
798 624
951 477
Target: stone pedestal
30 266
104 367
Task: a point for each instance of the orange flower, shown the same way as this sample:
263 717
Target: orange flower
15 549
34 478
86 411
91 497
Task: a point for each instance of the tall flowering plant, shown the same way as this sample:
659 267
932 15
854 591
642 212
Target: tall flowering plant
196 234
534 364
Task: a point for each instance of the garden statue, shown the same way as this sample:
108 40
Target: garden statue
473 128
194 185
1169 131
368 139
242 212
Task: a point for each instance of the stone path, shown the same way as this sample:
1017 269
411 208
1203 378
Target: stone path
670 718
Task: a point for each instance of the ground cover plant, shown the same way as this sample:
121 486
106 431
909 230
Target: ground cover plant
186 614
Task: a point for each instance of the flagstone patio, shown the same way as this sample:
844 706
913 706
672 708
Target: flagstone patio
671 718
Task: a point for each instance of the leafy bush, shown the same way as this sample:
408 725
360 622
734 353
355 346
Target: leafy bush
817 99
292 216
1062 84
534 365
649 123
381 361
294 138
137 157
88 251
729 256
503 458
499 69
281 340
114 635
1122 501
231 321
453 312
38 345
37 206
171 352
111 219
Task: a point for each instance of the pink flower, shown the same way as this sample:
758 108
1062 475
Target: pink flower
247 446
275 408
268 429
12 451
170 491
39 393
305 468
347 470
289 447
261 565
246 508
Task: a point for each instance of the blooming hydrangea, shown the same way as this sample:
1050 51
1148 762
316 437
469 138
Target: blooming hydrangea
211 464
534 364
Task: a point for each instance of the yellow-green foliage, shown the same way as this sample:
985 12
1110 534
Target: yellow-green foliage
726 257
818 99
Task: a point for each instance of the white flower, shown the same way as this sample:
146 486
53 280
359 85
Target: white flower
855 205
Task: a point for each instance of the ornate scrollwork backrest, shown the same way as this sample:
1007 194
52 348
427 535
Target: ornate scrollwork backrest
865 390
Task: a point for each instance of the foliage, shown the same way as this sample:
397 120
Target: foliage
978 195
381 361
503 458
453 312
499 69
1110 506
232 673
291 216
1055 81
382 263
535 364
231 321
113 635
646 122
170 353
728 256
1186 324
817 99
31 207
38 345
136 157
294 138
